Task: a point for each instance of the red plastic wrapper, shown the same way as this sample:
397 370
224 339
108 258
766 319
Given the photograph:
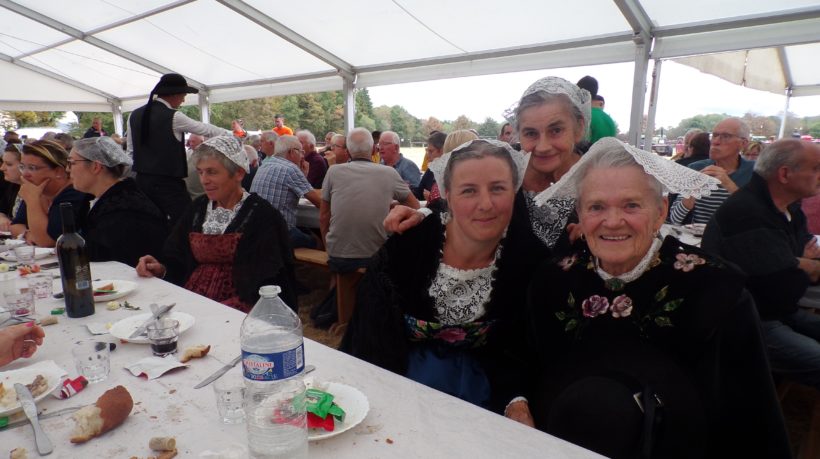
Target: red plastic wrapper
72 386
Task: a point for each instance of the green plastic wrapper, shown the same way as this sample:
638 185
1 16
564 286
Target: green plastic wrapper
321 404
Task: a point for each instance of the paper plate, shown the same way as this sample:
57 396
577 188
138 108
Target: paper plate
125 327
121 288
39 254
50 370
350 399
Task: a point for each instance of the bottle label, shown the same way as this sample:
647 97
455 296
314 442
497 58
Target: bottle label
273 367
83 276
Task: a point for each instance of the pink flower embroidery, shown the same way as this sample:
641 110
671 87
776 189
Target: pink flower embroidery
687 262
621 306
451 335
567 262
595 306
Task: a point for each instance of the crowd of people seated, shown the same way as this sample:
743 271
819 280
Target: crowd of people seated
531 280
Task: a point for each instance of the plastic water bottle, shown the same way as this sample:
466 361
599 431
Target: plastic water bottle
273 360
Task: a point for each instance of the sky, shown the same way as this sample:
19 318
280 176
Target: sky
683 93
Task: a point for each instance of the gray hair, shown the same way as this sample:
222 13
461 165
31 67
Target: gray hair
539 98
269 136
743 131
614 158
359 143
394 138
253 140
311 139
782 153
478 149
689 134
205 151
285 144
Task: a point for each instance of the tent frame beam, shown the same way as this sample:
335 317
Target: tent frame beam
58 77
87 38
737 22
271 25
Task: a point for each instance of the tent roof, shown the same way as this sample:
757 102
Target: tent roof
90 54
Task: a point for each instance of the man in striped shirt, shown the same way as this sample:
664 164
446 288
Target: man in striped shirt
729 138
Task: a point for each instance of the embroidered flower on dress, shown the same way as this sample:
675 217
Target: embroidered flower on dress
687 262
451 335
567 262
595 306
621 306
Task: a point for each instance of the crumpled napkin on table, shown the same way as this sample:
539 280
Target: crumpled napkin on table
154 367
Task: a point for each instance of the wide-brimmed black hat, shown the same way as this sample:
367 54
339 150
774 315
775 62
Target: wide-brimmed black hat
173 83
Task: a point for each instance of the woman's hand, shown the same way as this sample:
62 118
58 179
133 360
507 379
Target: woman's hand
520 411
5 223
401 219
30 192
148 266
19 341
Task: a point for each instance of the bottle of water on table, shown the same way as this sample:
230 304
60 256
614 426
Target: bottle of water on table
273 360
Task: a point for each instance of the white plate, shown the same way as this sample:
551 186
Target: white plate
125 327
121 287
39 254
350 399
50 370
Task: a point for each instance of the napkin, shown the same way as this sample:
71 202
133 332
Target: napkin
154 367
97 328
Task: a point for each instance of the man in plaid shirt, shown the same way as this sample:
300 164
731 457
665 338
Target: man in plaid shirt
281 180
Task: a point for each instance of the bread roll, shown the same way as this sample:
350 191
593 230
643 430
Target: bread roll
18 453
194 352
110 411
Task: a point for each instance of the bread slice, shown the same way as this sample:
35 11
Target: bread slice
110 411
194 352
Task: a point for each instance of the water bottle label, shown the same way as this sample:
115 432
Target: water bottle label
273 367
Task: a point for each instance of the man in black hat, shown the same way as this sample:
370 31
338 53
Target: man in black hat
156 140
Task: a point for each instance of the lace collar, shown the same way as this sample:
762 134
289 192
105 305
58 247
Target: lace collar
615 281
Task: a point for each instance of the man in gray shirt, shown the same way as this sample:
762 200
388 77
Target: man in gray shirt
356 198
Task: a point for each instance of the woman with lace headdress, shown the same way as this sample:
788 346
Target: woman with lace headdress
550 120
229 242
641 346
436 302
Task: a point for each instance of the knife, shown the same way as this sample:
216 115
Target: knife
44 445
142 328
218 374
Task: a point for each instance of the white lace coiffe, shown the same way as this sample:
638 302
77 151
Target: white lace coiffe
580 98
439 165
674 177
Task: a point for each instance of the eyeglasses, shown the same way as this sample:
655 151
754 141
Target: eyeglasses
337 146
724 136
384 144
298 149
72 161
30 167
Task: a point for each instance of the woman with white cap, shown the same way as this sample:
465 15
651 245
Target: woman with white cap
642 346
228 243
123 223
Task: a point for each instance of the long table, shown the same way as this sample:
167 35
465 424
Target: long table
406 419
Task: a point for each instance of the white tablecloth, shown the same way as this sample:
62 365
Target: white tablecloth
418 421
307 215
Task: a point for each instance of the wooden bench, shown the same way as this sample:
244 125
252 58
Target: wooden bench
345 285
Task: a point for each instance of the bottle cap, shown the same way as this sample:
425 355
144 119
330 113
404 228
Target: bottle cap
269 290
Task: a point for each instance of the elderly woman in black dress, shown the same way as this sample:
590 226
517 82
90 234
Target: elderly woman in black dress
229 242
644 347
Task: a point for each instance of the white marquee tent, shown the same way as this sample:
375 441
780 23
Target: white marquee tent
101 55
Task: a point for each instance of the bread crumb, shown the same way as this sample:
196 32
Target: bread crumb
389 441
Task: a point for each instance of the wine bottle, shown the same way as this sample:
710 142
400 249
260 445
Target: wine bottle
75 271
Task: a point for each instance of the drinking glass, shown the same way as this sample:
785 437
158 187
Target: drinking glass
41 285
92 359
19 297
230 398
24 254
163 334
